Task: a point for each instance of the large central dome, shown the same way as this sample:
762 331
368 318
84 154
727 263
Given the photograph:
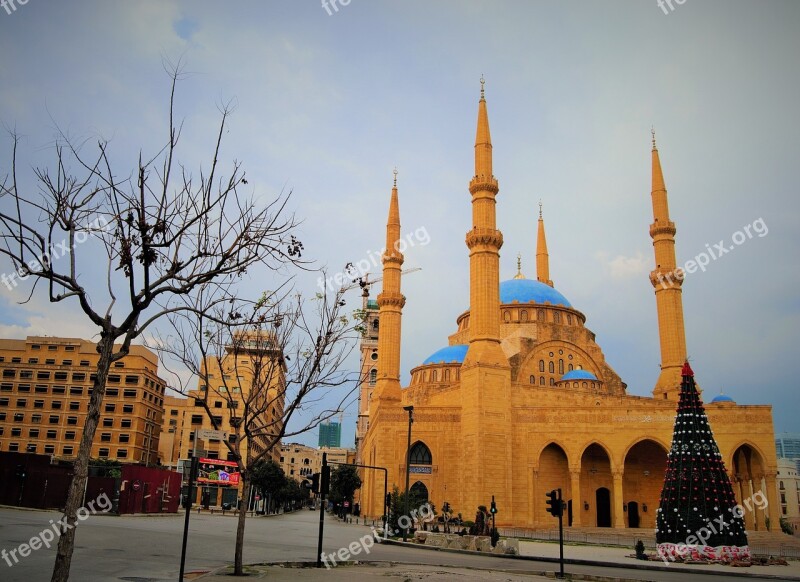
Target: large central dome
528 290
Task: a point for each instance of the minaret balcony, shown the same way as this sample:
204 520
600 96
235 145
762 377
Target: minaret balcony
483 183
489 237
660 228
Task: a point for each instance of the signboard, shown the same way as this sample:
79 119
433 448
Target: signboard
208 434
422 470
218 471
136 485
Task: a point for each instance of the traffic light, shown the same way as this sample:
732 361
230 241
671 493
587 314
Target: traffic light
553 503
312 482
326 480
388 500
493 508
20 472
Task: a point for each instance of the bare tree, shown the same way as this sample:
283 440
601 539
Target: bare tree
129 249
266 361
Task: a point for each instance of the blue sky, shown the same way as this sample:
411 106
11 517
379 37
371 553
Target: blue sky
327 105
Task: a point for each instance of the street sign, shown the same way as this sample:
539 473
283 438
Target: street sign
136 485
208 434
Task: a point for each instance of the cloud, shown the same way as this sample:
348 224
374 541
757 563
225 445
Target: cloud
622 267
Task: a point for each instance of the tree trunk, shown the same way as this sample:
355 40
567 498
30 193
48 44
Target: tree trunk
77 489
237 560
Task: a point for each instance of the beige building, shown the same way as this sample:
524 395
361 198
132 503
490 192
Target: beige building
44 398
521 399
226 385
789 492
299 461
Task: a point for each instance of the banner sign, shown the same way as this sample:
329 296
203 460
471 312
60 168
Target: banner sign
218 471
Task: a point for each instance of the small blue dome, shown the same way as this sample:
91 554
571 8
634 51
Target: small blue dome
528 290
579 375
723 398
449 355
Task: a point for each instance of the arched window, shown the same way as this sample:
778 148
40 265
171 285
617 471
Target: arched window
570 367
584 385
373 376
447 375
419 493
569 319
506 316
540 314
541 365
434 375
561 366
375 325
523 315
556 317
781 486
533 380
552 382
541 380
551 367
420 454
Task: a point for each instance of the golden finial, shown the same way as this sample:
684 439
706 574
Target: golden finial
540 209
395 177
653 132
519 274
483 82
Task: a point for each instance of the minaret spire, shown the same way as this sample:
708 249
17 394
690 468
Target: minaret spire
390 302
667 280
542 258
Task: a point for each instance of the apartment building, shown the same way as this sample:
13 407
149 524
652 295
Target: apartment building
45 389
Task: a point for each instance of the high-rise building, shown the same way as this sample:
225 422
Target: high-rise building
44 397
787 446
330 434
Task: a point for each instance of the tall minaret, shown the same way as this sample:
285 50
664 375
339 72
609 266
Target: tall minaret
667 280
484 242
542 258
390 302
485 373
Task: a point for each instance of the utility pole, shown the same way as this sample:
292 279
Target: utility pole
189 494
323 489
410 410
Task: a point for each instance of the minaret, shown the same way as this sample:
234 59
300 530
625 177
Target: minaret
667 280
542 258
390 302
485 373
484 242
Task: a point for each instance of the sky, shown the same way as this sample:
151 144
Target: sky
328 101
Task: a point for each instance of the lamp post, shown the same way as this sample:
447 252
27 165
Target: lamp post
410 410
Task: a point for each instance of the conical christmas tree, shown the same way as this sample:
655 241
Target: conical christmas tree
698 517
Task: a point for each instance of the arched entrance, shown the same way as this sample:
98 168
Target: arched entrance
603 504
749 486
643 479
595 475
553 474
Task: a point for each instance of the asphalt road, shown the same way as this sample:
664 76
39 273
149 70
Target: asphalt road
147 548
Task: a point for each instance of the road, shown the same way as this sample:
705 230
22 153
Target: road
147 548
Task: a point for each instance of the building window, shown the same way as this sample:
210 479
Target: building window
22 403
42 375
107 422
105 437
25 374
67 450
570 367
551 367
49 449
561 366
556 317
69 435
41 389
541 380
60 376
56 404
112 392
23 387
51 434
72 420
373 377
523 315
125 423
131 379
13 447
111 407
19 417
131 393
197 419
33 433
36 418
127 408
16 432
53 419
102 453
114 378
74 405
552 382
420 454
532 380
569 319
76 391
124 438
3 401
31 448
540 316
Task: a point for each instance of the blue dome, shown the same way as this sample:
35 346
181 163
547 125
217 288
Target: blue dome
722 398
579 375
527 290
449 355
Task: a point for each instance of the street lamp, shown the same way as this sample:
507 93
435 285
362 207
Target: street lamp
410 410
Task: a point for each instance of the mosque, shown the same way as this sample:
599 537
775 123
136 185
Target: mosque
521 400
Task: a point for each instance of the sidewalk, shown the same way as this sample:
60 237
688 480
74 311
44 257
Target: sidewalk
369 572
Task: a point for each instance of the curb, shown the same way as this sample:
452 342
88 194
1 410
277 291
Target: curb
582 562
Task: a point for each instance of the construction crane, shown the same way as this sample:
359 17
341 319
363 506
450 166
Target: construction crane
365 282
